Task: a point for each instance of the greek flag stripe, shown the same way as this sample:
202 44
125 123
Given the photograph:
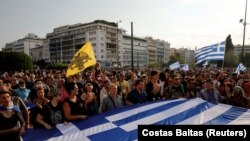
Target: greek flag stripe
160 116
234 110
146 113
206 116
135 111
243 119
185 114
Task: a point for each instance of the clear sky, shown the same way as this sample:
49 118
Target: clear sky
183 23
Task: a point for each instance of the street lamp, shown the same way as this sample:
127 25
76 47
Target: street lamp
117 46
244 32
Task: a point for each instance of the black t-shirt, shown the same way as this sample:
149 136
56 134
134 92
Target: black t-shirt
149 91
76 108
9 123
52 115
135 97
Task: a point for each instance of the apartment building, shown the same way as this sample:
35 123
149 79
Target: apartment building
25 44
140 52
66 40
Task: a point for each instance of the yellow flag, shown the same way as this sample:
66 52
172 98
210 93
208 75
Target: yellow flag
84 58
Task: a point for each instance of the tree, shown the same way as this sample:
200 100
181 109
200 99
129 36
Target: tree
13 61
247 60
229 53
58 66
174 58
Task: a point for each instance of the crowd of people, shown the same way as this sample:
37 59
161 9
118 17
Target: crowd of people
44 98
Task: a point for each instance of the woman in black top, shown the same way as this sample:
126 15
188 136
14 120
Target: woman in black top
73 106
12 123
52 113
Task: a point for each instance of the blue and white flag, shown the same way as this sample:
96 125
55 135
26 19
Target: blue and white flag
240 67
185 67
205 64
213 52
121 124
175 65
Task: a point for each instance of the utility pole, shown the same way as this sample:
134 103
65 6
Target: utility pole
117 46
244 32
132 48
137 60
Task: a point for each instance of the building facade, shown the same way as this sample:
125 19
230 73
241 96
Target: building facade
24 45
65 41
140 52
111 45
238 49
158 51
36 53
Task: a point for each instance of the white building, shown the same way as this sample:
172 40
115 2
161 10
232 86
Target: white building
36 53
238 49
24 45
140 52
65 41
45 51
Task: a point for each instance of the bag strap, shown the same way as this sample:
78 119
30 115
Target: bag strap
112 101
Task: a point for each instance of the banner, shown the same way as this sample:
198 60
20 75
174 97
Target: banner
122 124
83 59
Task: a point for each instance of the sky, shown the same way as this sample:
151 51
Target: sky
182 23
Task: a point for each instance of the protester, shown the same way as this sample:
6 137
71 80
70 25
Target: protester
73 107
152 87
12 123
176 90
123 86
90 99
112 101
51 113
209 93
137 95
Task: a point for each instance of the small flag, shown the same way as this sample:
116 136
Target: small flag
185 67
240 67
175 65
83 59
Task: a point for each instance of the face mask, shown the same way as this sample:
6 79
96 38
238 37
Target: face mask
23 87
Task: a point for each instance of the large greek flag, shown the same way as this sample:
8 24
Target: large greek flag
213 52
121 124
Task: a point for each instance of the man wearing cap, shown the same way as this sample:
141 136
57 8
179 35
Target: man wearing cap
209 93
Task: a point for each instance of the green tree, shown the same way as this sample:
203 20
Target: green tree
229 53
154 65
174 58
58 66
247 60
13 61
